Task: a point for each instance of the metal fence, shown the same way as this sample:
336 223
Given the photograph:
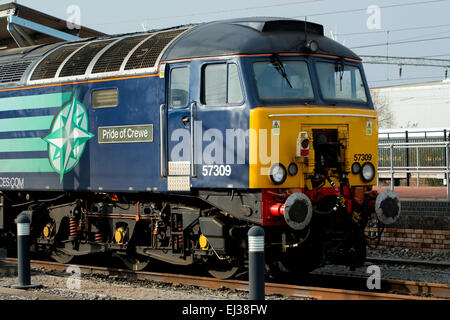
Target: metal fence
404 159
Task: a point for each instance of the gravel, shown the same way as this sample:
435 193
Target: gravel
16 297
417 273
91 287
58 285
393 272
404 253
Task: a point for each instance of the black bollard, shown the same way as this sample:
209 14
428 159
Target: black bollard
256 263
23 253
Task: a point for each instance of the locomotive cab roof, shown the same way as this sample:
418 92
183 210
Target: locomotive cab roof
114 55
253 36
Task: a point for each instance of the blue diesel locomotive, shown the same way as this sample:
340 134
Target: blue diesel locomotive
171 144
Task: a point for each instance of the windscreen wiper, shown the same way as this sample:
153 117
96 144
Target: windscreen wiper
276 62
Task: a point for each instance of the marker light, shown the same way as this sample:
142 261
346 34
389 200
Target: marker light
356 168
292 169
305 143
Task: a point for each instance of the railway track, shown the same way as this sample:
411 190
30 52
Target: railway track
415 291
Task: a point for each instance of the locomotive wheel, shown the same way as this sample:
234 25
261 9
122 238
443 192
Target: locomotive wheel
61 257
223 269
135 262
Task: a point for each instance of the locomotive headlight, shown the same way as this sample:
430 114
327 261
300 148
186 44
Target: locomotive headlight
367 172
278 173
356 168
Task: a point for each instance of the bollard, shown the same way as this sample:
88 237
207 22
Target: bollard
23 253
256 263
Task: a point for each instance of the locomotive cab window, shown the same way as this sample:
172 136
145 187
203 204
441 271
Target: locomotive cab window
283 80
105 98
341 82
221 85
179 87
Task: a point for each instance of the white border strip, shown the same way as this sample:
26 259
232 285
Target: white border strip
321 115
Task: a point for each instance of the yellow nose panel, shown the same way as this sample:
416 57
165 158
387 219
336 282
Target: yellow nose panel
274 132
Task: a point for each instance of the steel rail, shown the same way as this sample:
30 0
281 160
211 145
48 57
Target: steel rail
287 290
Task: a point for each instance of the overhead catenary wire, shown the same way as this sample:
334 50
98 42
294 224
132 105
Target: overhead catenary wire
393 30
307 15
364 9
406 79
210 12
406 61
436 55
398 42
265 7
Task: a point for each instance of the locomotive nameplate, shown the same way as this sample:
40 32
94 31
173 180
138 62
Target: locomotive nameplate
126 134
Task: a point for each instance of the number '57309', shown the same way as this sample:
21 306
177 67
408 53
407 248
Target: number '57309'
216 170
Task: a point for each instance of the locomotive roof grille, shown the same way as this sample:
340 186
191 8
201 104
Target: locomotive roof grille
79 62
12 72
146 55
47 68
111 60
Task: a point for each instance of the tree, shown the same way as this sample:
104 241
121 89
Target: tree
385 115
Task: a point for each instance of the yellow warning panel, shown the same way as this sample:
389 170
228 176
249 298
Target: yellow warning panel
369 128
276 127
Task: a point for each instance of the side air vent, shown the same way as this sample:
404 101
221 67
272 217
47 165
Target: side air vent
113 58
146 55
48 67
79 62
11 72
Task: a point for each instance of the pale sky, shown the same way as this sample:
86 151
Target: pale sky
399 21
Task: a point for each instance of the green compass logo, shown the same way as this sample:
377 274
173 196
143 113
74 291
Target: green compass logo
68 136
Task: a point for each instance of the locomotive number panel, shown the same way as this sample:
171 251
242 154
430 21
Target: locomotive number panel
362 157
216 170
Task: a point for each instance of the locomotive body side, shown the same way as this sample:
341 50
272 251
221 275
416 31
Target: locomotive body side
107 162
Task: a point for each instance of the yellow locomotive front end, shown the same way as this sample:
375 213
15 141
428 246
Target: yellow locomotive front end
304 138
313 153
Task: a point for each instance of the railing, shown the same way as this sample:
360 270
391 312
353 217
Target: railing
433 158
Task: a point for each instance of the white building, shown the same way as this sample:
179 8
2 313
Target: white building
423 105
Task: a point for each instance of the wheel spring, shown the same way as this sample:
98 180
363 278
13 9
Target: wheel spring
74 228
98 238
180 238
